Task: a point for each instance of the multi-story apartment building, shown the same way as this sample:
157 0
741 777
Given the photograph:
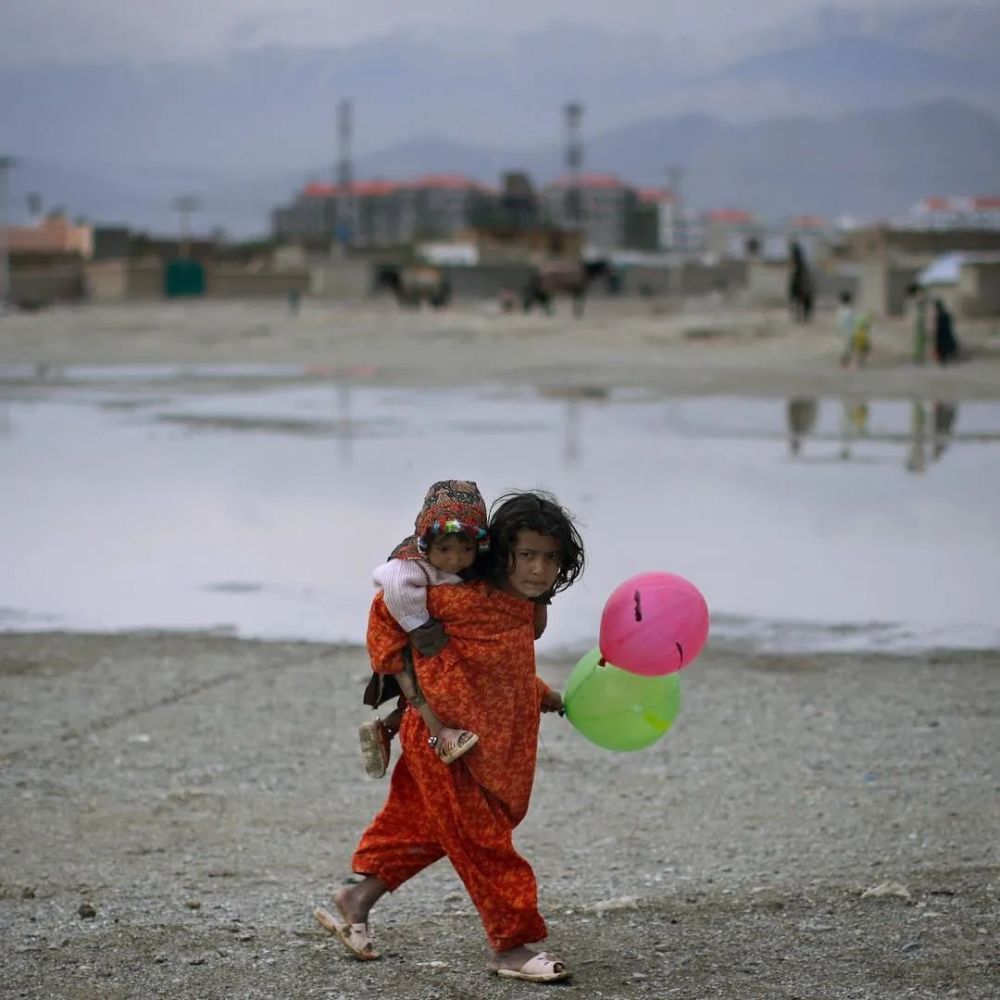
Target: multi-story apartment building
595 203
381 213
607 212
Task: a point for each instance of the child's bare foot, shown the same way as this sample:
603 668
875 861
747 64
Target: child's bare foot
352 904
523 963
454 743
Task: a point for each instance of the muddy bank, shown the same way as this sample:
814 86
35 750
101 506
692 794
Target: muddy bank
174 804
705 350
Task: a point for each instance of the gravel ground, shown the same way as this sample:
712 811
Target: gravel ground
173 805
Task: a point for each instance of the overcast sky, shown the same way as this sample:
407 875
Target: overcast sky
102 30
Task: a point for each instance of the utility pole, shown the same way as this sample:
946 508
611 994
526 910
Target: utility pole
573 115
678 235
185 205
6 163
344 221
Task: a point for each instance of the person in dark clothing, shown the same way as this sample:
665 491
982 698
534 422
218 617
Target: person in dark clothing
800 284
945 342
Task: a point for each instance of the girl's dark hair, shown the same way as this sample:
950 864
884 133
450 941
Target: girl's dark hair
533 511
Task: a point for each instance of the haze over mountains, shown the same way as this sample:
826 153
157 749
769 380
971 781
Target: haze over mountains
834 113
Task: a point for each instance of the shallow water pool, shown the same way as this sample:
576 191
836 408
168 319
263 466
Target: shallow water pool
152 502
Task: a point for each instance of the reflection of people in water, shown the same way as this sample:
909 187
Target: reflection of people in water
944 425
801 414
916 459
853 424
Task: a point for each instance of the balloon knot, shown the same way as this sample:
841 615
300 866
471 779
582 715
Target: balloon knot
601 662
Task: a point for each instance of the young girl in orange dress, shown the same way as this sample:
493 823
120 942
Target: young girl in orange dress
483 681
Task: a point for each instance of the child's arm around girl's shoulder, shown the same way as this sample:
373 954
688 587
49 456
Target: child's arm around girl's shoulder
404 585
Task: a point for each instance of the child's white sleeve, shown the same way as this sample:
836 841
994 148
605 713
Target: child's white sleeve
404 586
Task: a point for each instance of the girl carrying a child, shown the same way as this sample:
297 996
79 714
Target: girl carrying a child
482 681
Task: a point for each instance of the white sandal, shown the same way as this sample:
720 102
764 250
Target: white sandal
540 968
356 938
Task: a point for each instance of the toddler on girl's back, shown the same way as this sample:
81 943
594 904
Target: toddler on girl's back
449 534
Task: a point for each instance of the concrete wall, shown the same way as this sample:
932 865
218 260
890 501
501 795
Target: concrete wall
341 279
979 289
486 281
878 241
645 280
130 281
882 287
35 287
691 279
830 285
124 280
767 282
222 282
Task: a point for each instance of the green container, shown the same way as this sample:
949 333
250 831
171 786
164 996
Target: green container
183 278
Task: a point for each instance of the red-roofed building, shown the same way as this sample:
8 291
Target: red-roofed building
654 195
730 232
729 217
610 213
956 212
53 235
808 223
446 182
379 212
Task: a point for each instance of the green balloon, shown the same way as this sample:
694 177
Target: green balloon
619 710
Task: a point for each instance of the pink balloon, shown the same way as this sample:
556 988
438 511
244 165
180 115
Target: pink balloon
654 623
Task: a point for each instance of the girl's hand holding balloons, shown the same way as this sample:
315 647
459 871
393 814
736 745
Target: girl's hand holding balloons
552 702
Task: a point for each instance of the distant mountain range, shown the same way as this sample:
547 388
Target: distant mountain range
840 112
873 164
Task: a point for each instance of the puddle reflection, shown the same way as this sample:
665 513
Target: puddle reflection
263 508
931 428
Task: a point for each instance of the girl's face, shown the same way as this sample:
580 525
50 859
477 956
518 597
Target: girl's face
451 553
534 566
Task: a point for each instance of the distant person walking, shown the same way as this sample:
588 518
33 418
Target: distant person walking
846 318
859 342
945 342
920 304
800 286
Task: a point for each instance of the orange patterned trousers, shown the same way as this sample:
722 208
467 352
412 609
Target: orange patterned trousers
435 810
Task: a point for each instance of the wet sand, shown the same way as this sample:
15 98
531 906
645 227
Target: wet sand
815 826
705 350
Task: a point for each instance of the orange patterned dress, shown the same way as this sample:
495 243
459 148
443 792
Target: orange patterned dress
484 680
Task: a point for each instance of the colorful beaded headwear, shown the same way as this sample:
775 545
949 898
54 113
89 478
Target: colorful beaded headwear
453 527
451 506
